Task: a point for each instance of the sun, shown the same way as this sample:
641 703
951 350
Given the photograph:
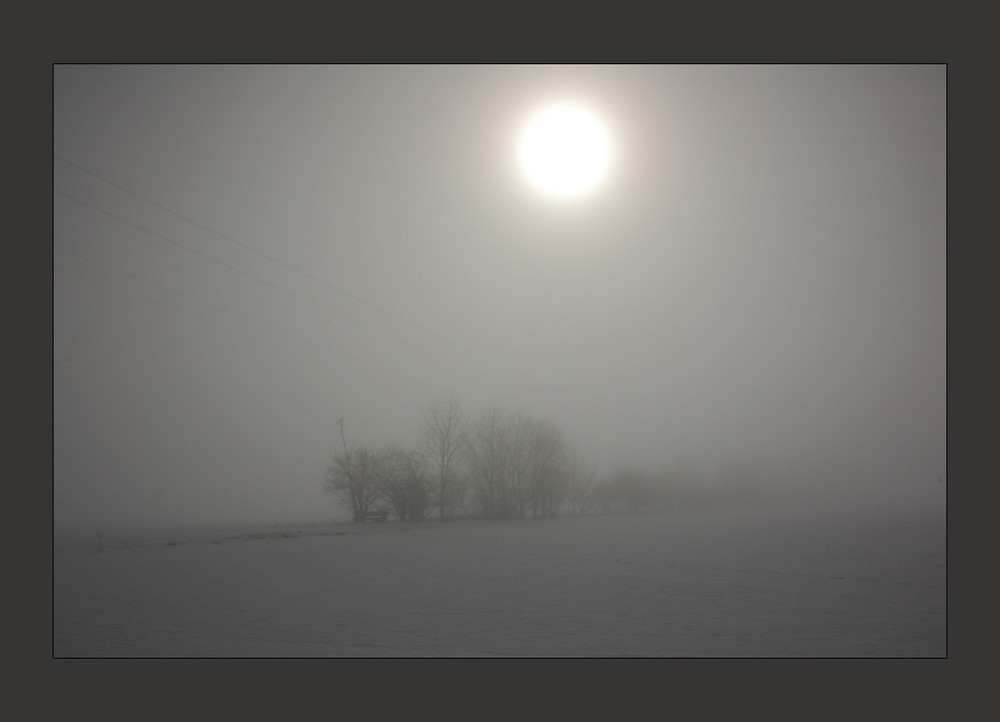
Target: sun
564 150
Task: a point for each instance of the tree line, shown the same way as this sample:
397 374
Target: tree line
506 465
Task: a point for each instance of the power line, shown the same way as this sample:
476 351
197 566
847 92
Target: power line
261 280
288 267
364 362
541 386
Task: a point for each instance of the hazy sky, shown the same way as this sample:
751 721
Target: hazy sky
245 254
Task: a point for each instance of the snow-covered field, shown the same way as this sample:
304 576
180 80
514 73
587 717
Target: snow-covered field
713 584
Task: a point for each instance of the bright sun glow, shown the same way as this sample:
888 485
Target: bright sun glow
564 150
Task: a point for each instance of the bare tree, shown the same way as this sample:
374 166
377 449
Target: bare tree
515 463
353 478
549 457
404 483
520 474
441 435
487 452
580 483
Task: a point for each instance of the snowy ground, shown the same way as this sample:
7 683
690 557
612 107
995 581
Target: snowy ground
720 584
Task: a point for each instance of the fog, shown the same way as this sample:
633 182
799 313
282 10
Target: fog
244 255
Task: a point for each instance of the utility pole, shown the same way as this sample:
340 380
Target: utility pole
357 504
347 457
